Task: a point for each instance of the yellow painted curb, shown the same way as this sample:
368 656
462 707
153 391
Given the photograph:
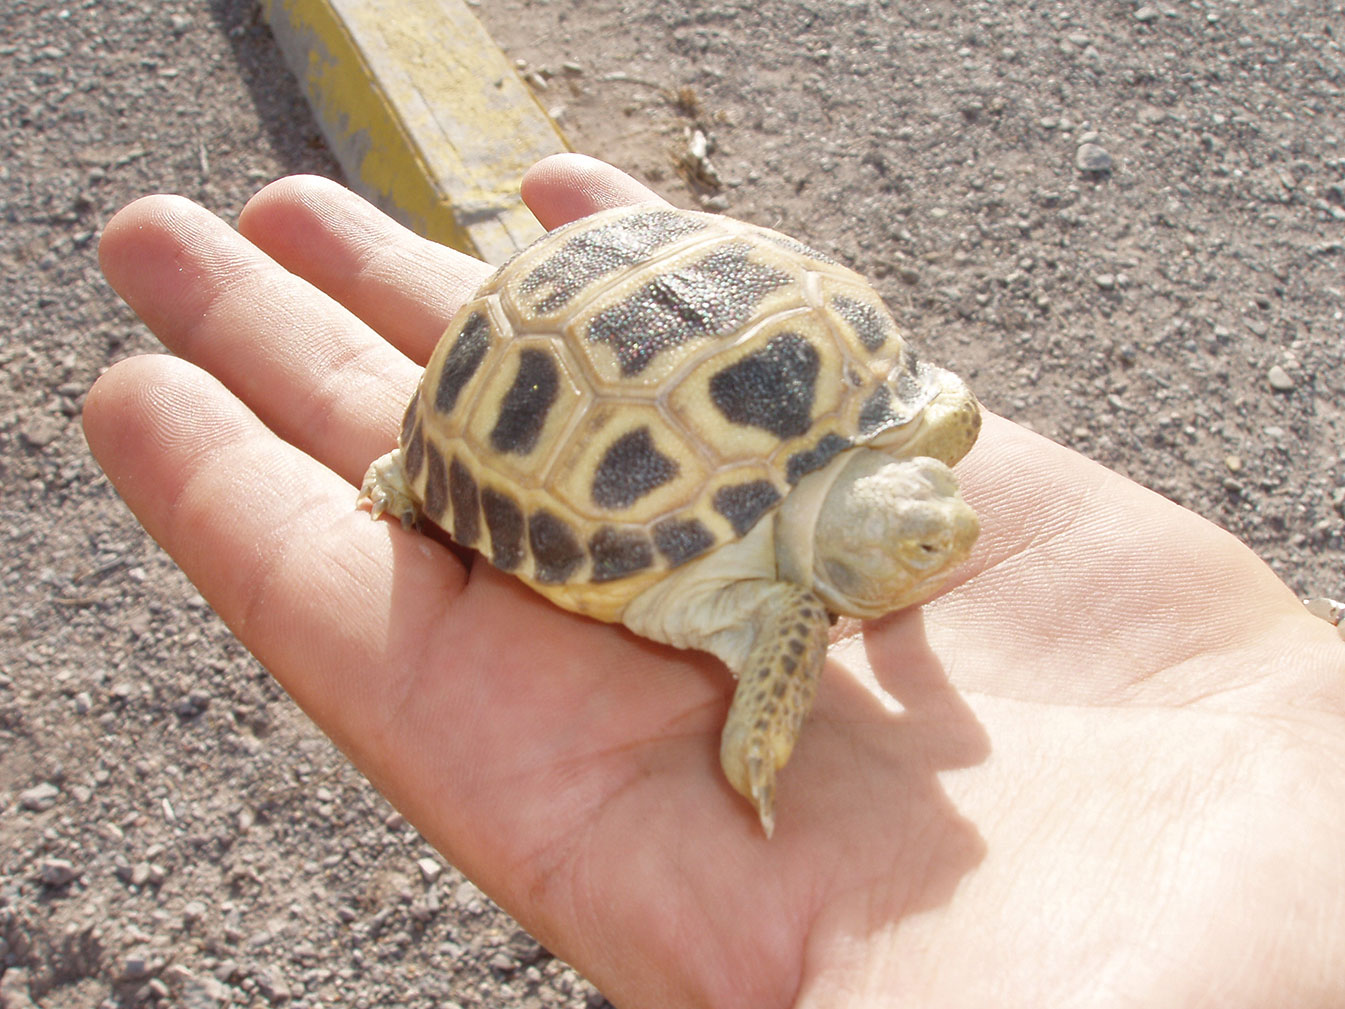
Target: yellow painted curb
424 113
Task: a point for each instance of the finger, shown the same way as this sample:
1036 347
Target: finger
356 619
420 675
312 372
403 286
270 536
566 187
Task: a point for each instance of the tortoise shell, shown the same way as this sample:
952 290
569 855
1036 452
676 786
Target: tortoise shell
641 386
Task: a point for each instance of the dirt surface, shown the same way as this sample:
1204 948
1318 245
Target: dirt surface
1124 224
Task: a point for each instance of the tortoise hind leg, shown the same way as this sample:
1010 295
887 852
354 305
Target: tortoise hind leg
776 686
386 489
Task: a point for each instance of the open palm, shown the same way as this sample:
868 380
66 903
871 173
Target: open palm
1107 767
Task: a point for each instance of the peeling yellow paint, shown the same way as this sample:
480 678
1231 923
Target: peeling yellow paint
424 113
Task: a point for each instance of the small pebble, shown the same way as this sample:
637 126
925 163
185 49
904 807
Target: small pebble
1234 463
192 704
273 986
40 430
430 870
135 967
1279 379
202 993
1092 158
1106 281
1146 14
15 989
39 798
226 970
58 872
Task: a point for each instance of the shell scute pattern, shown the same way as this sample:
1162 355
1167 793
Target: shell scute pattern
666 316
556 553
617 553
466 503
544 280
504 522
627 464
462 361
525 407
436 484
631 467
643 385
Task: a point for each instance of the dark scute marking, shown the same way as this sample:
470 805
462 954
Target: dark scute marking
710 297
464 357
882 410
796 646
436 485
554 547
742 504
876 413
617 553
871 325
802 463
772 388
600 251
413 452
781 686
466 506
504 519
526 404
914 381
679 540
631 467
789 663
411 416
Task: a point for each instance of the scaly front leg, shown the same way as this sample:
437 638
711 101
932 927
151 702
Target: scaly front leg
776 687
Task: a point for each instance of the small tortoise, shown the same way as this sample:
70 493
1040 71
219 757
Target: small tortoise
703 430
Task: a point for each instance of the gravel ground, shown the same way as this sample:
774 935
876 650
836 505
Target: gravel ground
1124 224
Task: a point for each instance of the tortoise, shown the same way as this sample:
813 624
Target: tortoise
701 429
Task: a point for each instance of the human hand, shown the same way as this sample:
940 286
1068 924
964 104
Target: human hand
1116 774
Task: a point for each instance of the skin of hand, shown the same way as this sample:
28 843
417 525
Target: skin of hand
1106 767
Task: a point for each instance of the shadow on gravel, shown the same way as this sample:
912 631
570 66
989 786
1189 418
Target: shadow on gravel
276 95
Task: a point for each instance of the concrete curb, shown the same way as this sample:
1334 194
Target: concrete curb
424 113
